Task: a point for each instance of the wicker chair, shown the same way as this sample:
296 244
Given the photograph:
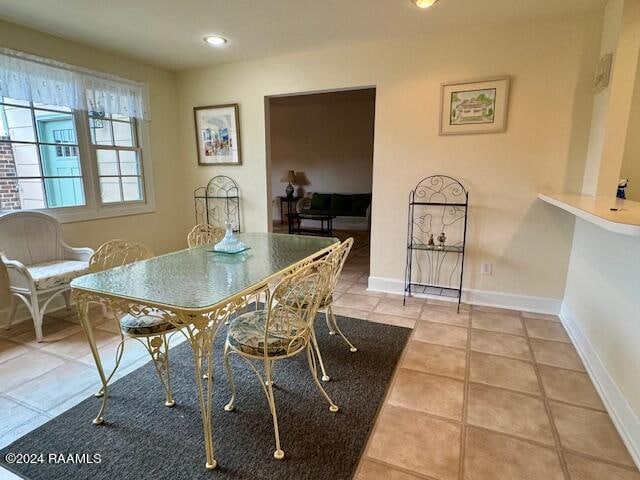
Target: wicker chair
40 265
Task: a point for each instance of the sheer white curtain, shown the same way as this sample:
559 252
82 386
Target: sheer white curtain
40 80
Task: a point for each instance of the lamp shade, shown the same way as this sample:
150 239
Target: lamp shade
289 177
301 179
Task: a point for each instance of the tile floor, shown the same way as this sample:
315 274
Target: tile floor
482 395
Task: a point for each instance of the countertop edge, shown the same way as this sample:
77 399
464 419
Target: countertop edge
592 217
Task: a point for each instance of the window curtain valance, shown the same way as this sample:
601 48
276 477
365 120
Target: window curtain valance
40 80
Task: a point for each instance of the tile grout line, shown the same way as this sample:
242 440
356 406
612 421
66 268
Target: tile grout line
8 394
39 411
439 375
547 407
556 446
385 403
467 383
530 441
399 469
539 339
465 400
60 355
500 387
527 440
551 447
600 460
22 403
67 360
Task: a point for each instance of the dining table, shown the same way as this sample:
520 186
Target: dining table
197 290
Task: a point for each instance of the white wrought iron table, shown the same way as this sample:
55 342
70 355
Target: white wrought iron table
196 290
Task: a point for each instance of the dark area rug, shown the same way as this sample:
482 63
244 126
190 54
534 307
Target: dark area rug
143 439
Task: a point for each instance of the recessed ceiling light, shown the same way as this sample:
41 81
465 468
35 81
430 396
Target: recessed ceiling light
424 3
215 40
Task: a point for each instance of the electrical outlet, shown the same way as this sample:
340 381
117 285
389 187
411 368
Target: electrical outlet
486 268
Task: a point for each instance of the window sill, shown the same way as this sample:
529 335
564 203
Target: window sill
86 214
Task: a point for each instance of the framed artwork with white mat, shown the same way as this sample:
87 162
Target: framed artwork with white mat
476 106
218 134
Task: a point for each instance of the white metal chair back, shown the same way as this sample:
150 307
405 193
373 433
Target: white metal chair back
204 234
337 258
294 303
31 237
115 253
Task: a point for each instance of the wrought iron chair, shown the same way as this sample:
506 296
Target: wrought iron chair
40 265
150 327
281 331
204 234
336 258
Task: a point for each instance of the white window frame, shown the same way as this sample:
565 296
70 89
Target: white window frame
94 208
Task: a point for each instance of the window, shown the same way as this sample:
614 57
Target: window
45 152
71 140
65 137
115 145
39 162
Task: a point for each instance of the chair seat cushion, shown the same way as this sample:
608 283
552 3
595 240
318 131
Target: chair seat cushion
53 274
300 302
245 333
145 324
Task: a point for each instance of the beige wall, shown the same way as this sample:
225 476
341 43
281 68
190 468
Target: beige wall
631 162
543 149
328 136
602 298
165 229
610 32
619 109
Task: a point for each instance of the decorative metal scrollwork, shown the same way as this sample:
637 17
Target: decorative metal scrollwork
199 328
436 237
439 189
218 203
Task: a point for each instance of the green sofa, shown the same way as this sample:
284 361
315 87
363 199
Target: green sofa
337 204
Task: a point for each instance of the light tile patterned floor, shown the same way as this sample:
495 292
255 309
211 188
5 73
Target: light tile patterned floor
482 395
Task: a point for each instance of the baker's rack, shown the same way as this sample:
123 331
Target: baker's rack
218 202
435 263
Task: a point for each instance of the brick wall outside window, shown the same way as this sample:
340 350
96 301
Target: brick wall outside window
9 189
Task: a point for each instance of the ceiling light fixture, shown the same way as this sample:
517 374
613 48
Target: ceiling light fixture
424 3
215 40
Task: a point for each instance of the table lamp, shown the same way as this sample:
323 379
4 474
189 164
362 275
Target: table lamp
290 177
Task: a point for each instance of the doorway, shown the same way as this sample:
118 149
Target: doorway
320 164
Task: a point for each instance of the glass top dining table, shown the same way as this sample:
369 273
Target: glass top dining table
198 279
195 290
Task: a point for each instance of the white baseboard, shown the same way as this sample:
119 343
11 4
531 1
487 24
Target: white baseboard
477 297
621 413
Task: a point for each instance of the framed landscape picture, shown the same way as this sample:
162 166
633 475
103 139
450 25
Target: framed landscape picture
218 135
478 106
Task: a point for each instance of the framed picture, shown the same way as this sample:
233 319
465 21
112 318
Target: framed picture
478 106
218 134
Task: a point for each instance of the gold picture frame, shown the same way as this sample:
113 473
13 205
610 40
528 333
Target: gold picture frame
475 106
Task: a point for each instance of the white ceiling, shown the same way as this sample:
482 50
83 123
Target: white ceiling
169 33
